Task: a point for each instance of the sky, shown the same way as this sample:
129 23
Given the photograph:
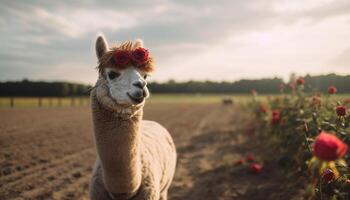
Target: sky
190 39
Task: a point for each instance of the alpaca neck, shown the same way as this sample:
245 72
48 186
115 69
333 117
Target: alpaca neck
117 142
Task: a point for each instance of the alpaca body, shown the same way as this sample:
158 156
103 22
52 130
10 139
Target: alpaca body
145 167
158 167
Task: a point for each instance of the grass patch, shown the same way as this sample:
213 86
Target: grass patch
195 98
46 102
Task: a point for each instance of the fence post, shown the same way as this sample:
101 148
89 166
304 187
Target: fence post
12 102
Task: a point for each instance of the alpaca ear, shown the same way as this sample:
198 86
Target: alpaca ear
101 46
138 43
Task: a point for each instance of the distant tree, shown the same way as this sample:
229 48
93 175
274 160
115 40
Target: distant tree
64 89
40 88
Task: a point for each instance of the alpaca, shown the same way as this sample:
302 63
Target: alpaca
136 159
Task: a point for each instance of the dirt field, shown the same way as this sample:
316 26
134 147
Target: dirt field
49 153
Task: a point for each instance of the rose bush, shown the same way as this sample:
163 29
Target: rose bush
311 133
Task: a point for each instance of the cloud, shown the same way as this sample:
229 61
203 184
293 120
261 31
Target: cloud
341 61
41 38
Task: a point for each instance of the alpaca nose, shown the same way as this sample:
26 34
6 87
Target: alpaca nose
140 84
139 94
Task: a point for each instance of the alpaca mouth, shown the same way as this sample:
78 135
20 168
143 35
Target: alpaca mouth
135 99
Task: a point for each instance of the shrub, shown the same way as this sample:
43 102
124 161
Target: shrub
312 134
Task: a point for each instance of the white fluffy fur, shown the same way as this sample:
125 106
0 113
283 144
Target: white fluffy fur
120 86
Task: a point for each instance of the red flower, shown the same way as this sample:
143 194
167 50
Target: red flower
341 110
300 81
332 90
256 168
276 117
328 147
140 55
250 157
316 101
263 109
347 101
328 175
240 161
121 57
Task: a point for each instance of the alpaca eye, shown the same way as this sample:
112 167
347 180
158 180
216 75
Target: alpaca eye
145 76
113 75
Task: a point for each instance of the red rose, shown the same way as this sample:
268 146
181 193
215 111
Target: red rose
328 147
300 81
332 90
256 168
121 57
263 109
276 117
341 110
240 161
140 55
250 157
328 175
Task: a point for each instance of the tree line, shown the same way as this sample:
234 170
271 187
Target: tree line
26 88
263 86
241 86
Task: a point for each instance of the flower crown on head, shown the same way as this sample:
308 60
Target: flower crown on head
127 55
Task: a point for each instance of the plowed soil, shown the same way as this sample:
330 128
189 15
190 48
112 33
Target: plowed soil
49 153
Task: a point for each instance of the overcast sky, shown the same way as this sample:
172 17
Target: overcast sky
190 39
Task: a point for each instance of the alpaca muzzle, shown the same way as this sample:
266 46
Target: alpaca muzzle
136 97
125 112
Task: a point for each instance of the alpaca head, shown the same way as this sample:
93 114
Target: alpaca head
124 70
